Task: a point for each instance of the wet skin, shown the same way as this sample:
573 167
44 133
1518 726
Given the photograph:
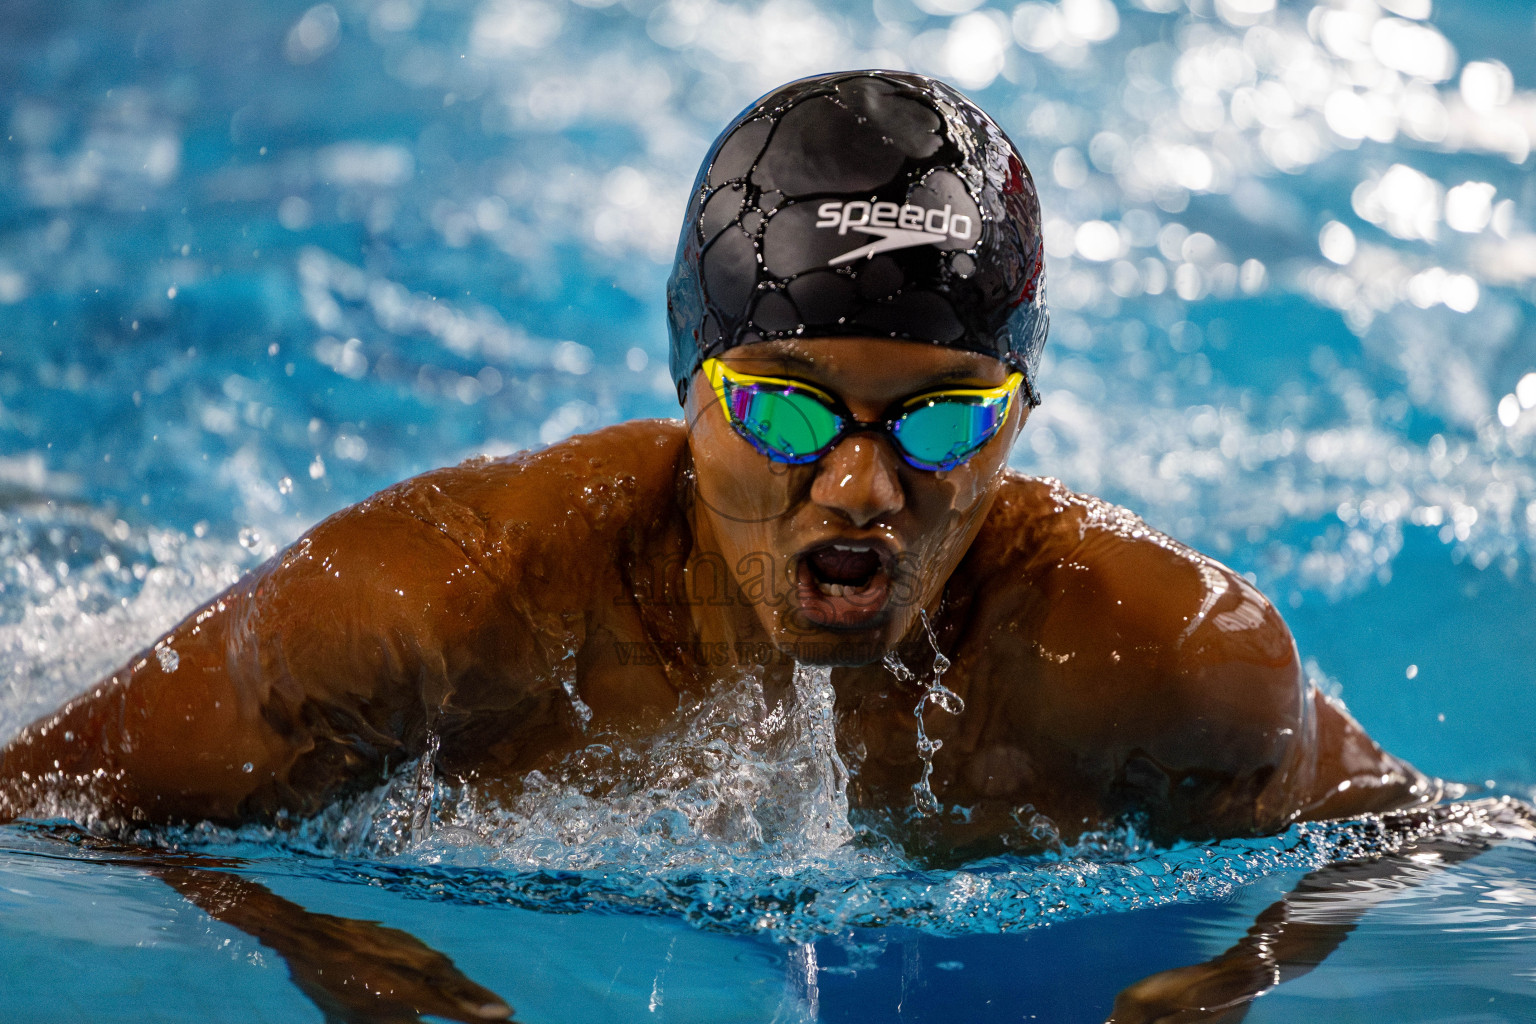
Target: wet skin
1106 669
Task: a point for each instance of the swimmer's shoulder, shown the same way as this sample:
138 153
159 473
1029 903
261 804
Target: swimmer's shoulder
594 483
1094 560
527 514
1145 644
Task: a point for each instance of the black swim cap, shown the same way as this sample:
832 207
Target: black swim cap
875 203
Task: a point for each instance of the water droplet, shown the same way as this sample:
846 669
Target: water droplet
895 667
250 539
583 711
285 485
248 767
940 695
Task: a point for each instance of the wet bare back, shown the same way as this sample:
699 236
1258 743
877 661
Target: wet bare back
517 607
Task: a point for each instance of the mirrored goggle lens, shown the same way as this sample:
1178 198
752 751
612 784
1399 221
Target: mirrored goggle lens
782 423
942 434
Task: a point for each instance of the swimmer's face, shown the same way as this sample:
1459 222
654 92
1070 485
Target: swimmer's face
837 557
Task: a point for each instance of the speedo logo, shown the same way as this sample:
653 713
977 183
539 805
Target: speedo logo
898 226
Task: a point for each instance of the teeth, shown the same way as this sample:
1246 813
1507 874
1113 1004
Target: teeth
841 589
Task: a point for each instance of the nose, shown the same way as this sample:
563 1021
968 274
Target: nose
859 480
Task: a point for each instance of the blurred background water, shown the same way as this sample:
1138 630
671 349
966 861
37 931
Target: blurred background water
258 260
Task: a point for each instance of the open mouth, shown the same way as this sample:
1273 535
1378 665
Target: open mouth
844 584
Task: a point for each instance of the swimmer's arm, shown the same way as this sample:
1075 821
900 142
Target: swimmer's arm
1288 751
1353 775
1178 684
1292 936
355 972
316 671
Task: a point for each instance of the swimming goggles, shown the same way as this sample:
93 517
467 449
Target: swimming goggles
795 422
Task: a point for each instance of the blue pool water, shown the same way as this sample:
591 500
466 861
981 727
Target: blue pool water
258 260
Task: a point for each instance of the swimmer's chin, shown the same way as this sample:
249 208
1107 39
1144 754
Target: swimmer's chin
813 643
837 659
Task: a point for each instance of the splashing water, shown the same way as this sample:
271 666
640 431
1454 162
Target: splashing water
796 901
421 802
734 778
822 772
941 696
732 781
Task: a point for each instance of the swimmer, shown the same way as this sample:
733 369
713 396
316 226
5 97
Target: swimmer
857 312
